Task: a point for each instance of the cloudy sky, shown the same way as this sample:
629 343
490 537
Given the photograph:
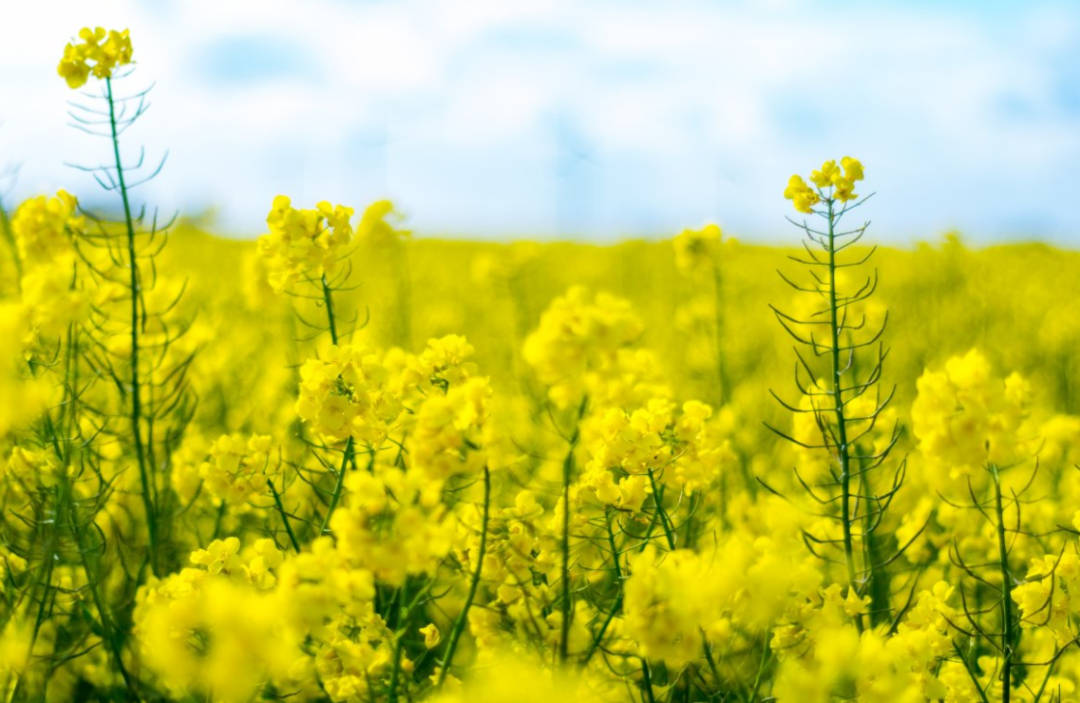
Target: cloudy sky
593 119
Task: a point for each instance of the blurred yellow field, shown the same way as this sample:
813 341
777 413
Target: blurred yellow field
342 463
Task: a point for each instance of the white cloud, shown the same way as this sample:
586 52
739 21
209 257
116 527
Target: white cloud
473 113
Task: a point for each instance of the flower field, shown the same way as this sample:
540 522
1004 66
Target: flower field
340 463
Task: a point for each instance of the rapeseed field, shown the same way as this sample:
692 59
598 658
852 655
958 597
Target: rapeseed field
340 463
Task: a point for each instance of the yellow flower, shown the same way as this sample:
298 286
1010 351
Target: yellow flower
374 228
431 635
303 242
853 168
100 53
73 68
219 556
580 336
237 470
840 178
44 227
801 195
825 177
795 185
854 605
843 189
696 249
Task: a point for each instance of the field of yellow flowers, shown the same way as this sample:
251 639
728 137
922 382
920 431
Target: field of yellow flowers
342 465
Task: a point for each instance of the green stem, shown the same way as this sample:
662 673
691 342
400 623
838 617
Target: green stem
658 501
564 546
107 629
647 681
709 659
614 551
335 498
838 409
969 667
877 579
404 295
760 672
350 445
718 330
218 518
599 638
1006 603
50 558
136 385
474 584
329 302
396 674
284 516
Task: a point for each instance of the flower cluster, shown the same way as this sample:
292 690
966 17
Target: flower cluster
696 250
579 336
217 626
551 515
303 243
965 419
374 228
841 179
45 231
99 52
349 392
238 469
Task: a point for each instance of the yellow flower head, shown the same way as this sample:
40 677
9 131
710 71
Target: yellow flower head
840 178
853 168
431 635
99 52
376 226
43 228
303 242
801 195
824 177
696 249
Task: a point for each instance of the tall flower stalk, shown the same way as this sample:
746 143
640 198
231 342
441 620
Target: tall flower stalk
151 376
842 405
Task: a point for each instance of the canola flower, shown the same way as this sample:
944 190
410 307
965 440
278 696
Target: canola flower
304 242
98 52
831 182
567 511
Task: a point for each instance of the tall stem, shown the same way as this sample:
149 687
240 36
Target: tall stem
474 584
1006 602
136 384
564 546
350 445
599 637
395 675
329 302
838 409
404 295
718 331
284 516
658 502
108 629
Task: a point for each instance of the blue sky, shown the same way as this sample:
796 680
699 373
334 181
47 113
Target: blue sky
593 119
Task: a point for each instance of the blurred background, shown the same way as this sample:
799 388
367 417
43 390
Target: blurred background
591 120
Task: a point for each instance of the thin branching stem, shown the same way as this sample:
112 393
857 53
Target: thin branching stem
718 331
474 584
564 545
136 383
842 450
1007 624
